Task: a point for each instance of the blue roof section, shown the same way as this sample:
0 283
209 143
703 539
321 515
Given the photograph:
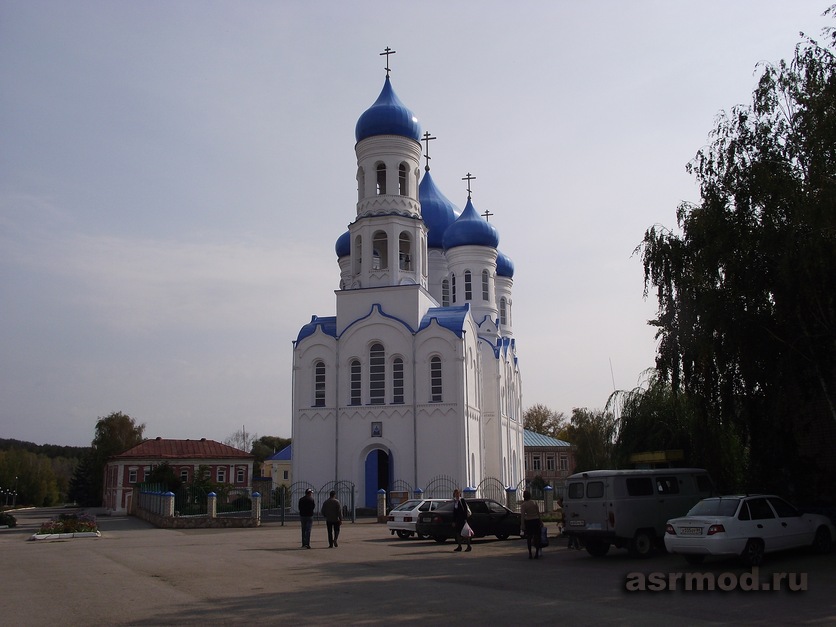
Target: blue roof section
436 210
470 229
343 245
387 116
451 318
504 265
284 455
537 439
328 324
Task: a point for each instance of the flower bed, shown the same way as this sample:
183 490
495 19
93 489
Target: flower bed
68 526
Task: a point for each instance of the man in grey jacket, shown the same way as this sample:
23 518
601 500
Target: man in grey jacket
332 511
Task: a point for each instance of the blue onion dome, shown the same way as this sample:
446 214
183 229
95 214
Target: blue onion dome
387 116
438 212
504 265
343 245
470 229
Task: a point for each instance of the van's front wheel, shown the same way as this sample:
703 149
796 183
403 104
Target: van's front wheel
597 548
642 544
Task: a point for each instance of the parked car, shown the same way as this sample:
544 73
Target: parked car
488 518
748 526
629 508
402 518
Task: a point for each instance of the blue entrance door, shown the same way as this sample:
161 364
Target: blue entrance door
378 468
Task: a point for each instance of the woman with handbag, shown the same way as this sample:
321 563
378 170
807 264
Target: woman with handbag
460 515
530 519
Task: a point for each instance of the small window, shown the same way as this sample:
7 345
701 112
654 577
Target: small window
453 286
550 463
639 486
485 284
503 312
575 491
184 475
667 485
356 385
381 178
445 293
564 462
468 286
760 509
221 475
594 489
397 381
782 508
744 512
537 463
377 374
380 251
132 475
240 475
402 188
435 380
405 252
285 474
145 473
319 384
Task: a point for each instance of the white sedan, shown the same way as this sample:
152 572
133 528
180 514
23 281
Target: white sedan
748 526
402 519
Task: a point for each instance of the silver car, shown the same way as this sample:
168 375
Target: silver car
402 519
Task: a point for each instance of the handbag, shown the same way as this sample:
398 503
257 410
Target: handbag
544 536
467 510
467 532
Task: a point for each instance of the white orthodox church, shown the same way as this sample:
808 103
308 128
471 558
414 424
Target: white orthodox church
416 377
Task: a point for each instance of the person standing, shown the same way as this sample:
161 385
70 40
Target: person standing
307 505
332 511
460 515
530 518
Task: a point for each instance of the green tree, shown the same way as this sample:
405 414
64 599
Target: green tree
593 434
115 433
164 475
747 291
540 419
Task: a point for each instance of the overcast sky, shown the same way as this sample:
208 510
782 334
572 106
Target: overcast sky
174 174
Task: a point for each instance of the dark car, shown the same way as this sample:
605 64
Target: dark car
488 518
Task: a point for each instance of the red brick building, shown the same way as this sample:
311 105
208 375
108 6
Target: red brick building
124 471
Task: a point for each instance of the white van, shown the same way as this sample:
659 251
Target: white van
629 508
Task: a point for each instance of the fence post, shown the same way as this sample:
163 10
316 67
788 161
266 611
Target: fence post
212 505
511 499
381 505
418 494
257 508
168 504
548 498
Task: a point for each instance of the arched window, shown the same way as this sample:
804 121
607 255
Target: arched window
361 184
453 286
405 251
377 374
380 251
485 284
402 189
503 312
355 383
445 293
468 286
397 381
358 254
381 178
436 391
319 384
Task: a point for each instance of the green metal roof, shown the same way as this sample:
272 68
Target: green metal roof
537 439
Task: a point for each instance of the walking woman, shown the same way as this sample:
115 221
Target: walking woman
530 518
460 513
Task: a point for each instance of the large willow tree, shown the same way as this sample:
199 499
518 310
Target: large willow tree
746 287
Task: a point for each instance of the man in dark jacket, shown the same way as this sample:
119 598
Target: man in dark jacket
307 505
332 511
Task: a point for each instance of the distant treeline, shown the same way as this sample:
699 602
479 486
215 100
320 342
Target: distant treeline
48 450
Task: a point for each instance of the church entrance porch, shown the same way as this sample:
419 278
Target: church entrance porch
378 472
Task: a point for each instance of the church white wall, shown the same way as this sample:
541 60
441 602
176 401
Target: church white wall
406 302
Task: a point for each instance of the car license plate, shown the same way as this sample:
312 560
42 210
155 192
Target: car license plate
690 531
577 523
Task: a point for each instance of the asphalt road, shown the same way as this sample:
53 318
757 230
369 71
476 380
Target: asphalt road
136 574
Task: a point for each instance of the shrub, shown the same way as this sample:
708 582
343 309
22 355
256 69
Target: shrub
7 520
70 523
